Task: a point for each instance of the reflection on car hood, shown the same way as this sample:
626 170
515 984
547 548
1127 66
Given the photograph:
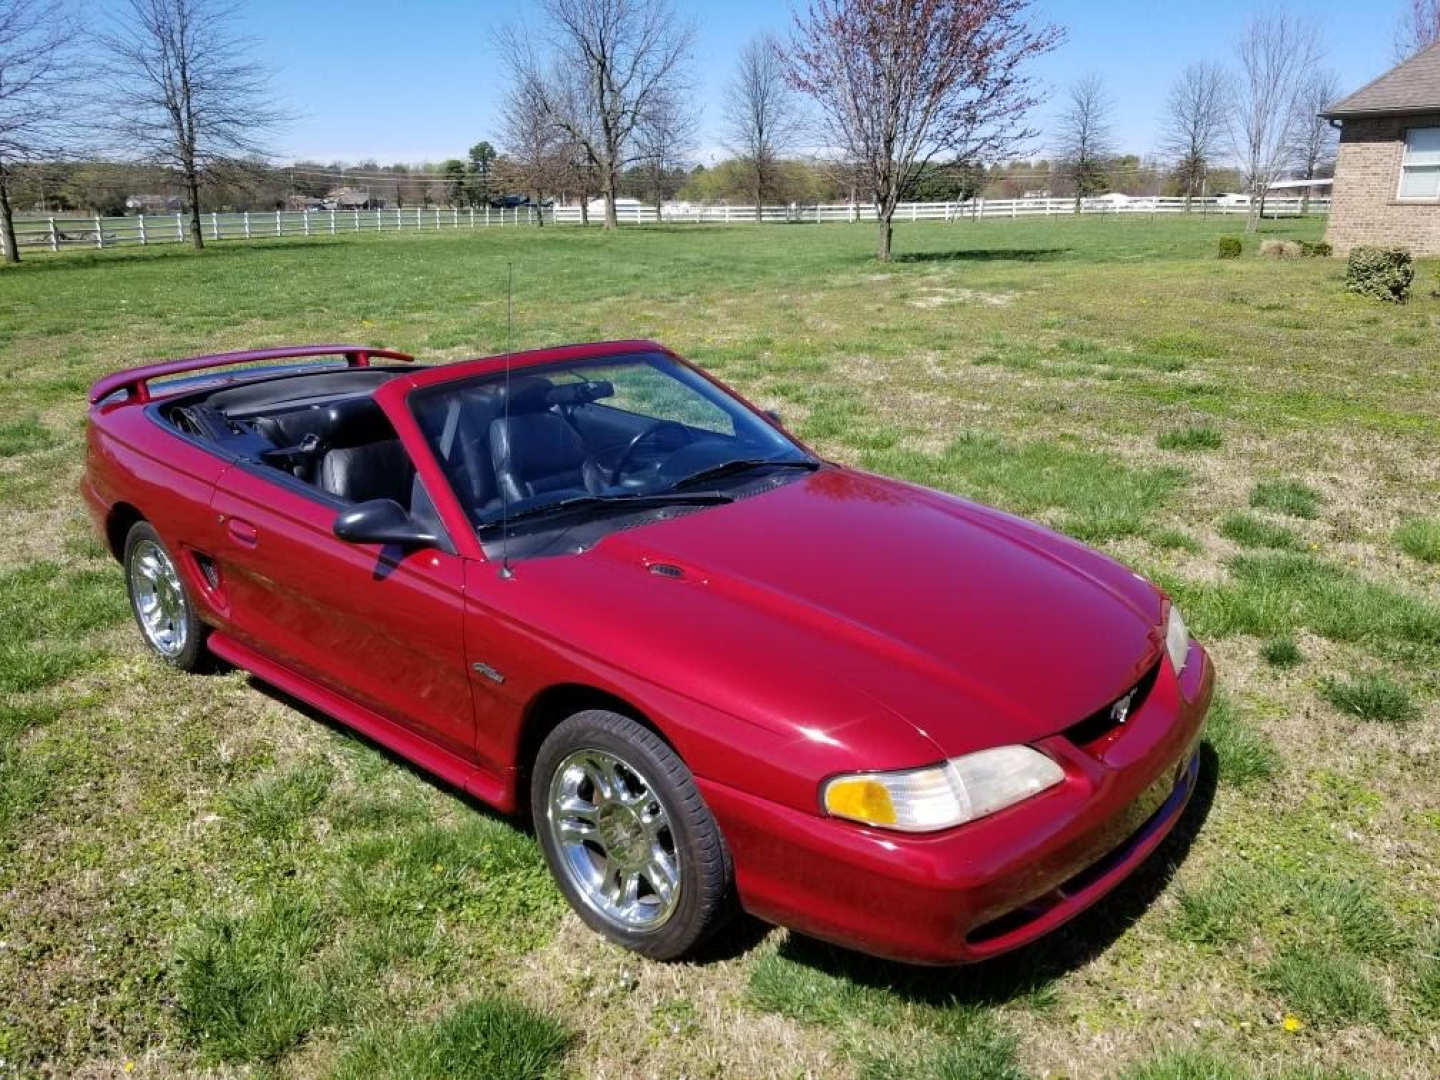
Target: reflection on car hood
844 596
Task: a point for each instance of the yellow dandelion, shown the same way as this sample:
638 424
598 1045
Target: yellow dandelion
1292 1022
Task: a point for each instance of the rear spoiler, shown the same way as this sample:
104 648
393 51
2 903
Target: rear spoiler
135 381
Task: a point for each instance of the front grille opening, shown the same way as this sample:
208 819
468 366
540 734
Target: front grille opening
1101 724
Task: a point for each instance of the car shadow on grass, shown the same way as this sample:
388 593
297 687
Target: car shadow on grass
516 821
1030 969
1025 971
985 255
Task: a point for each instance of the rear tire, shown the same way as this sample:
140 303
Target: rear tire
628 837
161 603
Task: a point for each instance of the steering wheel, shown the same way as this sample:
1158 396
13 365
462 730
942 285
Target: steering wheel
641 437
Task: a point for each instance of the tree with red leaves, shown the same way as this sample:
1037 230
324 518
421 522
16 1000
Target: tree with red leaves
901 81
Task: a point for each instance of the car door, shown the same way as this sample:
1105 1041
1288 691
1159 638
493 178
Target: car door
382 626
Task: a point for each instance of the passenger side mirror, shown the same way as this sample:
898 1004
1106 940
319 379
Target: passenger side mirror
774 414
383 521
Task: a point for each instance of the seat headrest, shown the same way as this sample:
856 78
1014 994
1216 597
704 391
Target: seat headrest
581 393
527 394
356 421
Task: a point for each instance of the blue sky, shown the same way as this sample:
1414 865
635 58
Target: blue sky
422 81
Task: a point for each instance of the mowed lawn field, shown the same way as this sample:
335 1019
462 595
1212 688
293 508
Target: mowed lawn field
199 878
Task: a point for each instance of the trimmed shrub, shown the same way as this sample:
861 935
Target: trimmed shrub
1380 273
1280 249
1322 250
1230 247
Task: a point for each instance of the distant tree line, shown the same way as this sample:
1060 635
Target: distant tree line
912 99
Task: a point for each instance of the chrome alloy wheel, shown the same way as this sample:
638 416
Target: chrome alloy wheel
614 839
159 598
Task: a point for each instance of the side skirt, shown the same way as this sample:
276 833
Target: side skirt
497 791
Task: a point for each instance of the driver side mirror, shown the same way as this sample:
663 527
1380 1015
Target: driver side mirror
774 414
382 521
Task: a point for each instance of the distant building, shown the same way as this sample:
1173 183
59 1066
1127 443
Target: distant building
346 198
154 204
622 206
1387 172
304 202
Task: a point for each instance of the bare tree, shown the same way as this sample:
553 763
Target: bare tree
761 115
35 40
533 147
663 138
185 93
1195 114
1276 56
1083 137
614 59
900 81
1312 147
1419 28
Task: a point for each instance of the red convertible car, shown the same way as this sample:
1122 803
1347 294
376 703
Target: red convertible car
593 584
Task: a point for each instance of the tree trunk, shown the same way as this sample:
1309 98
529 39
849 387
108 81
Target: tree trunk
584 208
886 228
197 232
611 182
7 222
759 197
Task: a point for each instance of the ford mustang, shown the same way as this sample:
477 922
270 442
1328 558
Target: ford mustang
593 586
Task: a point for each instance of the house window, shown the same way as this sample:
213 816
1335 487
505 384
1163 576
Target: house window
1420 173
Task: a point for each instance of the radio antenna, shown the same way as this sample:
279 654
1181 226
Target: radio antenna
505 572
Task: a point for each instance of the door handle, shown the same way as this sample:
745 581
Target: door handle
242 532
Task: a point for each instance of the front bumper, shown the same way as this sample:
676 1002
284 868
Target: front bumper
978 890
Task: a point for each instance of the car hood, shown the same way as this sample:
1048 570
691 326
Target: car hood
842 602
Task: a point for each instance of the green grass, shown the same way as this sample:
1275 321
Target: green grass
1325 987
1420 539
197 877
1091 496
1193 437
1371 696
248 990
1281 652
24 436
972 1047
1247 530
488 1038
1278 593
1245 754
47 611
1286 497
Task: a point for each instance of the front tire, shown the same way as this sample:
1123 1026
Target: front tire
627 836
160 602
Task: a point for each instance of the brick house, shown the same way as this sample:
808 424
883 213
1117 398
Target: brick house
1387 171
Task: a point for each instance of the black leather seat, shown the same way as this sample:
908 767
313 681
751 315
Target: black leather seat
378 470
536 450
362 457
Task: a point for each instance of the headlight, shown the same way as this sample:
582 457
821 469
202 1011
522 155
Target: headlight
959 790
1177 640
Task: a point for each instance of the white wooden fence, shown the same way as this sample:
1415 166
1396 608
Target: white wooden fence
57 233
969 210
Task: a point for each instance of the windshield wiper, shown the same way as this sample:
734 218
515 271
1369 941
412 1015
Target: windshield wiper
624 502
726 468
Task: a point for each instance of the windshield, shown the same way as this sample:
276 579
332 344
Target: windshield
631 432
